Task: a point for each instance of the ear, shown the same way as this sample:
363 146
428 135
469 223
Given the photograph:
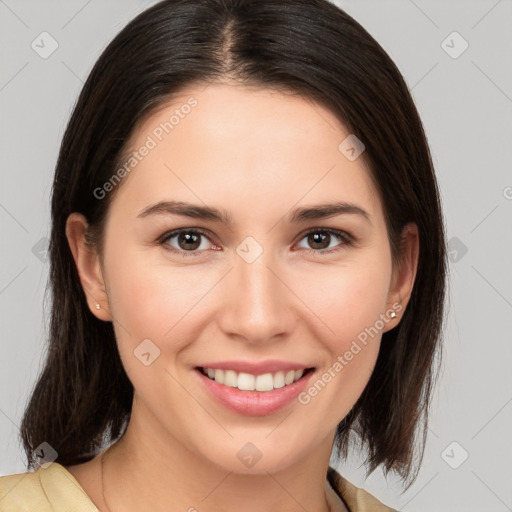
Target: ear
87 262
404 274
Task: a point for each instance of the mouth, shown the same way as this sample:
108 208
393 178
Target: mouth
253 394
249 382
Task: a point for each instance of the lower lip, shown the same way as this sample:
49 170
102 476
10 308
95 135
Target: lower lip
254 403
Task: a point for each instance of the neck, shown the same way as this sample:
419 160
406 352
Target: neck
147 471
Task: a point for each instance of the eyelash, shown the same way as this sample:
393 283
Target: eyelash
347 240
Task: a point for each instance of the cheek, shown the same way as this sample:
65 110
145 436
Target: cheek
349 306
154 301
347 299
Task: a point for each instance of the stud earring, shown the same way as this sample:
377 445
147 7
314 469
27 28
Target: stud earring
392 314
98 306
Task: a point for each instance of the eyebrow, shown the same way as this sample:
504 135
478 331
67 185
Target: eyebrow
298 215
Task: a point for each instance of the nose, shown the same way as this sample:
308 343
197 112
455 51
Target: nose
258 305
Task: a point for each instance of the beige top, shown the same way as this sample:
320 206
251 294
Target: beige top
55 489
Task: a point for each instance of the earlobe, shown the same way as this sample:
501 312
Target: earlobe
87 262
404 275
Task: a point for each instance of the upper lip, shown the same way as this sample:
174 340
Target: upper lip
256 368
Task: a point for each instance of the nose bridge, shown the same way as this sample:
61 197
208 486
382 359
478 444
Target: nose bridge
258 307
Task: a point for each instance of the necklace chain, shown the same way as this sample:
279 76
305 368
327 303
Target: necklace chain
102 482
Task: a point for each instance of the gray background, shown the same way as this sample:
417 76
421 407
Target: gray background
465 103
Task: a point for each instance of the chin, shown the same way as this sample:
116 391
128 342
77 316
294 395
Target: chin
254 458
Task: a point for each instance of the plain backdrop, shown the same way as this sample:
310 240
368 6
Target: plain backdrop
455 57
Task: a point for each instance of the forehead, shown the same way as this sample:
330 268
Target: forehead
243 145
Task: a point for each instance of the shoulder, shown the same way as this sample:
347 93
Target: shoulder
355 498
22 492
51 489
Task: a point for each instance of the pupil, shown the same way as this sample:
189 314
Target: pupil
318 239
189 239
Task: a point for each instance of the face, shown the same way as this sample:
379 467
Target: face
282 286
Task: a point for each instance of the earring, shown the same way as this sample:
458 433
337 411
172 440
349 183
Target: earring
98 306
392 314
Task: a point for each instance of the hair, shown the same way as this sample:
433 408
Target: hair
312 48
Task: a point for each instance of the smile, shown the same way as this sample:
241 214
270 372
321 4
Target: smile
249 382
254 394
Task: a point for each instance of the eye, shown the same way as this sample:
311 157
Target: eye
187 240
320 240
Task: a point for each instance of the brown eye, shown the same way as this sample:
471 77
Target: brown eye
186 242
323 241
318 240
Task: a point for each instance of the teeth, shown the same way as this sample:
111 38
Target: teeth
230 378
264 382
249 382
279 380
288 379
245 382
219 376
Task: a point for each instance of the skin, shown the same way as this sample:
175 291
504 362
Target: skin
258 154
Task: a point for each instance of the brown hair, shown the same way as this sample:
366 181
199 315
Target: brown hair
83 397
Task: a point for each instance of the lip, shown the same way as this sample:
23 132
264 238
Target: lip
256 368
254 403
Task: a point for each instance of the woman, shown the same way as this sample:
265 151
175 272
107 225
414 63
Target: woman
247 269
